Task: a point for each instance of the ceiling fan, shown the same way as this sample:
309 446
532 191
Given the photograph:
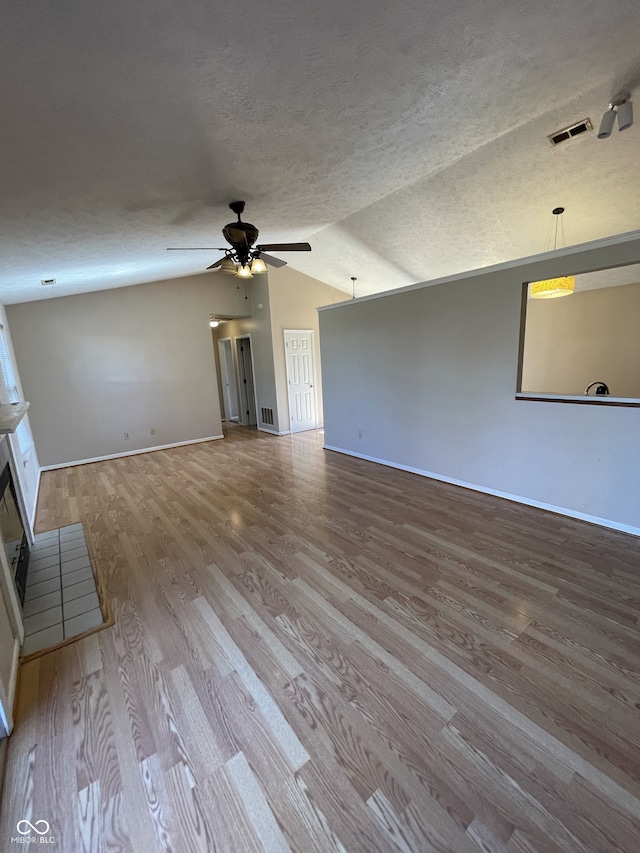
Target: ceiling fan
245 259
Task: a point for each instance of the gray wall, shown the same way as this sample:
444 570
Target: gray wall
588 336
258 326
289 300
429 376
97 365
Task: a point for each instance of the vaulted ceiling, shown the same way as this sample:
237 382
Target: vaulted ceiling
404 140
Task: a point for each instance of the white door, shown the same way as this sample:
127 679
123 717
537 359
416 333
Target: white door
301 379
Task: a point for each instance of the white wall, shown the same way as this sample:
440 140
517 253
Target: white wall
429 376
97 365
588 336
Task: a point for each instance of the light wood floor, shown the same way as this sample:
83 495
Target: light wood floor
315 653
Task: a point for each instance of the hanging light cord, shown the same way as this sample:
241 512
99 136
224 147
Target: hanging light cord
553 229
354 279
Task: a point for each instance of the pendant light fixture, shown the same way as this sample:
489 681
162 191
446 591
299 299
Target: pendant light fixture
552 288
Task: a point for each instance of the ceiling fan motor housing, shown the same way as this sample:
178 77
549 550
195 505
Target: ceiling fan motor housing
242 236
243 233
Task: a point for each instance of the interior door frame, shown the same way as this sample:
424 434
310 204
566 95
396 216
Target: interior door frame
313 373
245 337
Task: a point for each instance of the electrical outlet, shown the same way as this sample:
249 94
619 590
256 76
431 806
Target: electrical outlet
152 431
127 435
360 433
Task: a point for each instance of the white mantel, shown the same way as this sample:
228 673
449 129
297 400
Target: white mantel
10 416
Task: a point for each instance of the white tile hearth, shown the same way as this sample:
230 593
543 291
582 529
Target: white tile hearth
61 599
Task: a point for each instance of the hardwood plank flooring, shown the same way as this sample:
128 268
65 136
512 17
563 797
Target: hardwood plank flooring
316 653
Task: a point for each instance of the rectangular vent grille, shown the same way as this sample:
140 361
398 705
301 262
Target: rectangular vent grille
267 416
570 132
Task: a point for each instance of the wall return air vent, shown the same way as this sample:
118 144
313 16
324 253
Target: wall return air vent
570 132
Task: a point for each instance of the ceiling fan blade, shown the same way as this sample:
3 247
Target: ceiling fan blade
273 262
195 249
216 265
284 247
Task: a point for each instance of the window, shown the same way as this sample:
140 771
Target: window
586 346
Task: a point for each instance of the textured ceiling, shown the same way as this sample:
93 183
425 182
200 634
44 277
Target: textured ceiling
405 141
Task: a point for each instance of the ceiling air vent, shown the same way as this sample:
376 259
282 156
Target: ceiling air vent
570 132
45 281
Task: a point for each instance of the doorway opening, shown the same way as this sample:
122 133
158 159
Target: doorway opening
246 388
228 378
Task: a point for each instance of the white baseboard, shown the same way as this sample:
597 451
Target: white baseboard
287 431
128 453
559 510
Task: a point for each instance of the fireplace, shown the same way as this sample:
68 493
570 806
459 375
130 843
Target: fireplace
16 545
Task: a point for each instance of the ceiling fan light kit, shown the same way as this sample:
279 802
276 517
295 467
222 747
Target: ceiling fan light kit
228 266
244 271
244 259
258 266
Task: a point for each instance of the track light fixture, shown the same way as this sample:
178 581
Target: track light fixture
621 107
625 115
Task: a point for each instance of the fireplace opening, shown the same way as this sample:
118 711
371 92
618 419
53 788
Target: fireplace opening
16 545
